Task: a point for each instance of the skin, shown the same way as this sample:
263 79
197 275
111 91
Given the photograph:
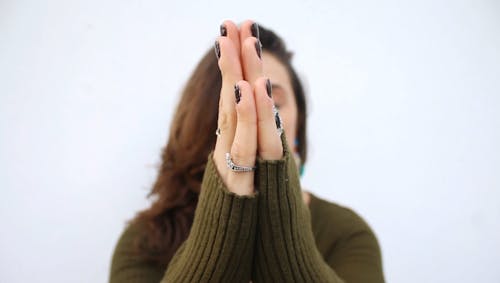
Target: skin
248 128
284 99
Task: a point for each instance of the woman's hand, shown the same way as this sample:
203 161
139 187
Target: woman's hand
246 122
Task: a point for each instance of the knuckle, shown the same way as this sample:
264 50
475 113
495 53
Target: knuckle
242 153
245 112
266 115
274 152
246 115
225 121
244 85
261 81
221 102
249 42
266 104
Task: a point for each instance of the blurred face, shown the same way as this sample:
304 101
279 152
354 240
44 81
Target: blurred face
283 95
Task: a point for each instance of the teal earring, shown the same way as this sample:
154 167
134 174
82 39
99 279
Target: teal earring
297 155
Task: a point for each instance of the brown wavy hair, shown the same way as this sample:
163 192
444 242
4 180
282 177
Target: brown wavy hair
167 222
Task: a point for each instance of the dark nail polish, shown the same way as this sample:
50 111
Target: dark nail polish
223 30
217 49
255 30
277 119
269 88
237 93
258 48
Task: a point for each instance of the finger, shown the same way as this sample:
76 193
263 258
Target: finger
249 29
228 60
269 141
230 67
231 31
251 59
244 147
251 51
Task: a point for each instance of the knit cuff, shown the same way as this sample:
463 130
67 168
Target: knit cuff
285 246
221 242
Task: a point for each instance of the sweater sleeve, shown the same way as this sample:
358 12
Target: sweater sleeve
221 242
285 245
219 248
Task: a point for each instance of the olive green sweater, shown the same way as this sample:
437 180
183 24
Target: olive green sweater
271 236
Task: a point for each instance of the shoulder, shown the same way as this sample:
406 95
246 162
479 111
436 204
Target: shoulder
125 247
336 227
346 242
325 213
127 263
128 237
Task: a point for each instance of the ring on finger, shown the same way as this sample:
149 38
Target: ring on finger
237 168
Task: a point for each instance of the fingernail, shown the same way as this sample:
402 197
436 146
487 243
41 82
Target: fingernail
223 30
269 88
255 30
237 93
217 49
277 117
258 48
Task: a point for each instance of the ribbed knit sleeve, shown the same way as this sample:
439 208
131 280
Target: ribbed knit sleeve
285 245
220 245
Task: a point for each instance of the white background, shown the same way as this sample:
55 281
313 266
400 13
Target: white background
404 112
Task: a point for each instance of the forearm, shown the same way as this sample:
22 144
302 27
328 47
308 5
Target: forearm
285 246
220 245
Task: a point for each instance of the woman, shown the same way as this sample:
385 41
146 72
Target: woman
228 204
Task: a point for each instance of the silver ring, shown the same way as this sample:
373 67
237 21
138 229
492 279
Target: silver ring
217 132
279 122
237 168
